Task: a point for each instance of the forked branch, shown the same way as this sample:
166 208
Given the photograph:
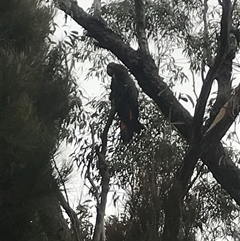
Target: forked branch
174 202
226 21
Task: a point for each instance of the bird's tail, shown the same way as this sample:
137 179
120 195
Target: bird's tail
127 131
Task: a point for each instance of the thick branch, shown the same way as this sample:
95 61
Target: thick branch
144 69
140 64
224 88
224 78
214 134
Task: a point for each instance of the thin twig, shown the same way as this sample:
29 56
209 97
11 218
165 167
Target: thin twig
193 85
206 48
71 214
234 4
194 179
88 174
66 204
97 8
61 179
141 25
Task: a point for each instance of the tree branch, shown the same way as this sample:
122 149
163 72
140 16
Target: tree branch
226 116
71 214
99 232
144 69
177 192
95 191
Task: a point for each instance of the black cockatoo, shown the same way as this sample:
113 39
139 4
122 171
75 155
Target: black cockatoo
124 97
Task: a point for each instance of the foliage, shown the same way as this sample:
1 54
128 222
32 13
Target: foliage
171 27
38 95
146 167
145 170
40 107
